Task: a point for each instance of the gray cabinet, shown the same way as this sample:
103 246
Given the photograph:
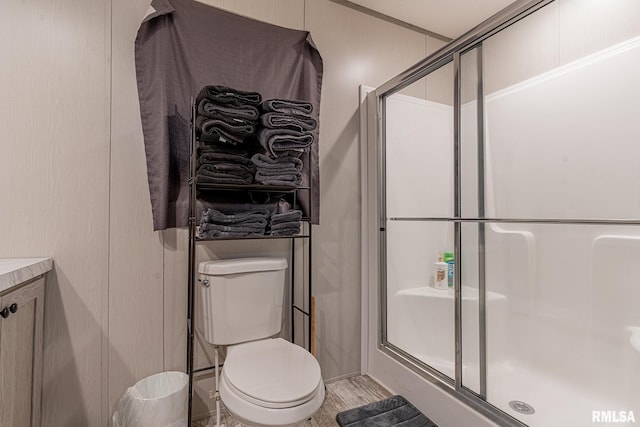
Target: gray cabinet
21 324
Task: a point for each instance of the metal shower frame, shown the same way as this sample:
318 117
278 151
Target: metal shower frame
451 53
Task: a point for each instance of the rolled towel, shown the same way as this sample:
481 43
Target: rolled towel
279 140
228 95
282 207
230 113
287 121
287 106
212 130
264 162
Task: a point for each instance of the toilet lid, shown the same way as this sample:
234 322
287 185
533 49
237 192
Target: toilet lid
272 372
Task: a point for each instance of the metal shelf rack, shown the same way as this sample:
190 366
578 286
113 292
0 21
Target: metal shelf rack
195 189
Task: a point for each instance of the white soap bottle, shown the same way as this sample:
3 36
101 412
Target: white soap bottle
440 278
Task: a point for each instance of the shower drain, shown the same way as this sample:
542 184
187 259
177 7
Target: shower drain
522 407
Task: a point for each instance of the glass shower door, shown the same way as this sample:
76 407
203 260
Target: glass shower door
518 151
418 182
561 108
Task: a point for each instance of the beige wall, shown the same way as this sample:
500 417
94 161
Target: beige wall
73 180
54 186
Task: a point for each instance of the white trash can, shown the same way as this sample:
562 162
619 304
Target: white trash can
159 400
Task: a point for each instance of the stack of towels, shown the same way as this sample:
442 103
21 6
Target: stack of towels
286 127
251 221
246 222
285 221
221 165
283 171
226 115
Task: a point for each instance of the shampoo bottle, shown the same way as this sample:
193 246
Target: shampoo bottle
440 279
449 260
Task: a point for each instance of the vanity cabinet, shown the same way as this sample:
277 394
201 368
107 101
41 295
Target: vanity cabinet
21 327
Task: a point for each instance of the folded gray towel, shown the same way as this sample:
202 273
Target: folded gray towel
207 177
216 157
239 114
277 141
228 168
279 163
223 149
293 152
285 232
213 130
224 173
287 180
215 216
288 121
228 95
222 180
291 172
285 225
215 234
287 106
240 228
294 215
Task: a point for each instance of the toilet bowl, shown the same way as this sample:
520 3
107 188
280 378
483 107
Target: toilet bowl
265 381
271 383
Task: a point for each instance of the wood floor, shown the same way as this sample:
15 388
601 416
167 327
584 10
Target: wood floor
341 395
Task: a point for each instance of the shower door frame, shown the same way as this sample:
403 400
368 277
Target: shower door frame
376 324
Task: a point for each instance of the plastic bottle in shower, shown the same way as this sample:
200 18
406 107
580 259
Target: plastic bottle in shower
449 259
440 279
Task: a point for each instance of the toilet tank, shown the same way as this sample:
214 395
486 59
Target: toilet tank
242 298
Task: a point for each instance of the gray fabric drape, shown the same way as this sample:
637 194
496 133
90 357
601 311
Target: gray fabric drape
185 45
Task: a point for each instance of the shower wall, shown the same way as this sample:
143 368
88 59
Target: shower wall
570 152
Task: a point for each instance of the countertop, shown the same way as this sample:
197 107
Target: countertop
14 271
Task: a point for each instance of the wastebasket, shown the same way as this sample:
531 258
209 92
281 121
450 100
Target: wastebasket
159 400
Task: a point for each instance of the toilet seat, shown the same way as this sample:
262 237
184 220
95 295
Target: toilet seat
272 373
271 383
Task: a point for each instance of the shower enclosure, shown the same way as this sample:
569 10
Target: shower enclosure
517 148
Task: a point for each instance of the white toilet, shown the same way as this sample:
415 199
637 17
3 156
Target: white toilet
265 381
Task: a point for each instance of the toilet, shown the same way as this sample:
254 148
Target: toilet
265 380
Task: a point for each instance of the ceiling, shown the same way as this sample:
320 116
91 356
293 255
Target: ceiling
450 18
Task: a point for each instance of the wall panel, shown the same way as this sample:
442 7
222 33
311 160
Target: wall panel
54 184
136 315
357 49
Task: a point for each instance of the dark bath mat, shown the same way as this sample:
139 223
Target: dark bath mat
393 411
